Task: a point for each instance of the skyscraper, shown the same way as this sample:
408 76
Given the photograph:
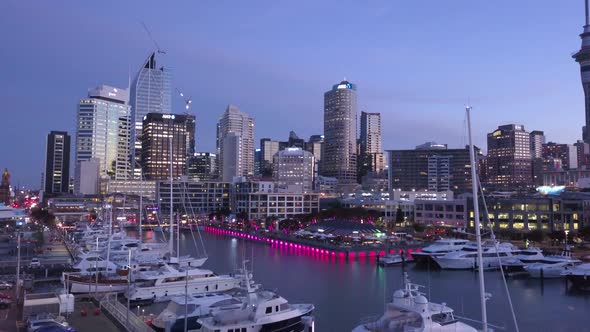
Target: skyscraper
103 131
202 166
567 153
537 141
371 153
5 188
150 93
241 126
57 163
509 159
268 148
583 58
158 130
339 154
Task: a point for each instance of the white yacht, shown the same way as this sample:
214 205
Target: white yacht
90 263
263 311
394 259
438 248
166 282
411 311
552 266
579 276
466 258
521 258
173 317
76 283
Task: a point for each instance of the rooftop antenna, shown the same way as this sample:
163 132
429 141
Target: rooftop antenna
160 51
187 102
587 15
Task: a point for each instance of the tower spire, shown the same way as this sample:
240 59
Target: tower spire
587 15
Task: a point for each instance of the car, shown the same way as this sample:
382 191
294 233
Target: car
4 285
35 262
39 324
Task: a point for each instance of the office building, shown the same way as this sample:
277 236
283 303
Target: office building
434 169
509 157
158 131
339 153
202 166
537 140
314 145
448 213
268 149
583 154
567 153
371 158
144 188
238 127
103 131
150 93
583 58
5 188
193 198
87 178
294 170
57 163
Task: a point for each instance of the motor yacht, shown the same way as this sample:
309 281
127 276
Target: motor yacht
411 311
579 276
466 258
438 248
552 266
394 259
521 258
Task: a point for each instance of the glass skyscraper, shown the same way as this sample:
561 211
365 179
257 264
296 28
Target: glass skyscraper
103 131
151 92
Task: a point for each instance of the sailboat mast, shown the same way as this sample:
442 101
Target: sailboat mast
482 291
171 221
110 234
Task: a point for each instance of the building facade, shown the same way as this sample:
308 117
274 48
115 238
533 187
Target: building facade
57 163
451 213
509 159
87 179
151 92
294 170
537 140
160 131
103 131
5 188
268 149
567 153
240 127
435 169
202 166
193 198
147 189
339 157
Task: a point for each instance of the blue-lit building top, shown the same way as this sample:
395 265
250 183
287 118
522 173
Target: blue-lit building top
344 85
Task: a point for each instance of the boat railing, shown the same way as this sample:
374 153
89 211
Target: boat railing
368 320
126 318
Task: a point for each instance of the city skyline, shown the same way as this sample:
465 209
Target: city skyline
416 105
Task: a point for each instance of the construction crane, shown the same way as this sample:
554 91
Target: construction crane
187 101
160 51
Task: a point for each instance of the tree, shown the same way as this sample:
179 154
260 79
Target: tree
399 216
419 228
537 235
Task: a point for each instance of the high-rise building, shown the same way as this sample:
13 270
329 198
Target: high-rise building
150 93
314 145
434 169
339 154
567 153
268 148
371 154
103 131
202 166
583 58
241 126
294 170
509 159
158 130
583 152
87 180
537 141
57 163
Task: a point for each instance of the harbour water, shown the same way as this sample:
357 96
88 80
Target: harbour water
346 292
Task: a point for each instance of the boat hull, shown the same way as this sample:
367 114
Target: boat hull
466 263
79 285
579 281
164 293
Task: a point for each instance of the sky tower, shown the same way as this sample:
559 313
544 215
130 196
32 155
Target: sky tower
583 58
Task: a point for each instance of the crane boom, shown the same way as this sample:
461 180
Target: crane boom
152 38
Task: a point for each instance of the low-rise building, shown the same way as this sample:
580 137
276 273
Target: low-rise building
132 187
441 212
193 198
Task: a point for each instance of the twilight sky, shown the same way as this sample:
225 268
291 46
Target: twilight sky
417 62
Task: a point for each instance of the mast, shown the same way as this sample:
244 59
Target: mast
109 236
482 290
171 221
587 15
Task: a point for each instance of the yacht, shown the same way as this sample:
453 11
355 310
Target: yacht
521 258
263 311
76 283
552 266
466 258
438 248
411 311
90 263
394 259
167 281
172 319
579 276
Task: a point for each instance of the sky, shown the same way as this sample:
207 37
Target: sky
417 62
